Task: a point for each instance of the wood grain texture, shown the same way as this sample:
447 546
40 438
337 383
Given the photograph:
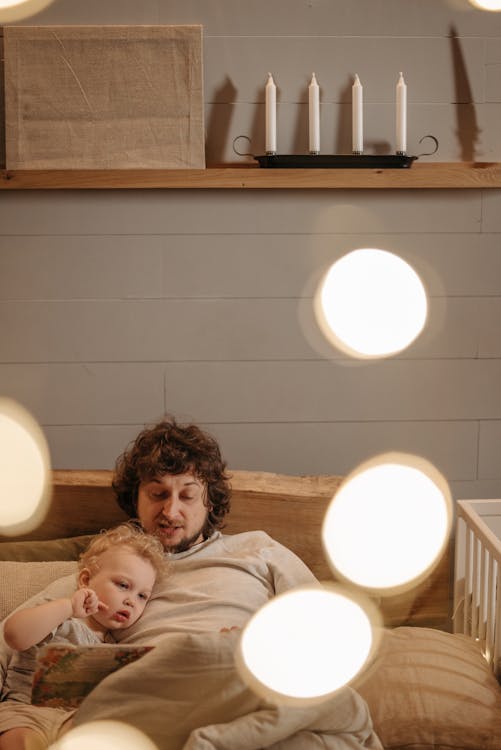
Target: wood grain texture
446 175
289 508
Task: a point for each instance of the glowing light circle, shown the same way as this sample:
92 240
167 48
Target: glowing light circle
493 5
104 735
13 10
303 645
371 303
388 524
24 470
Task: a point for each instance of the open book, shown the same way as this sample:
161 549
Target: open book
66 674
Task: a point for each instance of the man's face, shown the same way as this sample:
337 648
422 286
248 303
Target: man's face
172 507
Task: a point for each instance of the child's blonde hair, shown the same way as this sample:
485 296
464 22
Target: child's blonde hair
125 535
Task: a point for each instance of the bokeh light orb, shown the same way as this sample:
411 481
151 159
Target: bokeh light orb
14 10
371 303
487 4
388 524
104 735
302 646
24 470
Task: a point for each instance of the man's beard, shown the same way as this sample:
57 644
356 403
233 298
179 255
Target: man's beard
205 530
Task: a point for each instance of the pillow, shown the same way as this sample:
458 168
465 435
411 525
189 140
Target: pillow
428 689
20 581
53 549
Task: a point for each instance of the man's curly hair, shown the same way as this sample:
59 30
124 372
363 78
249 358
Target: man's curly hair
172 448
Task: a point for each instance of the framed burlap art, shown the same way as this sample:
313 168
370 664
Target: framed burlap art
104 97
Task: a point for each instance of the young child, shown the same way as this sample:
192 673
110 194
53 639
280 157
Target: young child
115 580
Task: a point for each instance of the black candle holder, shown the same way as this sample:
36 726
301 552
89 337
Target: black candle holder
335 161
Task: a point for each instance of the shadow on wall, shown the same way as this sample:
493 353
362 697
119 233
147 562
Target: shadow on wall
257 131
300 140
466 118
219 127
219 122
343 139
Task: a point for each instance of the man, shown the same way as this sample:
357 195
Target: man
174 480
185 694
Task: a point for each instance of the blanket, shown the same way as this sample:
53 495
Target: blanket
187 695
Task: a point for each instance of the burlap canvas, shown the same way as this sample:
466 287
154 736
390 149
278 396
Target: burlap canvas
104 97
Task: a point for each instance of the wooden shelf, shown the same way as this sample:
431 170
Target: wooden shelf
434 175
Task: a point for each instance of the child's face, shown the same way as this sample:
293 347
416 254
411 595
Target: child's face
123 582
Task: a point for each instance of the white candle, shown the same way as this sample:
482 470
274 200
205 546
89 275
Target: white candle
401 99
271 115
357 116
314 115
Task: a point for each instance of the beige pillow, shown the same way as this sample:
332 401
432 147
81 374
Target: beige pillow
432 690
38 551
20 581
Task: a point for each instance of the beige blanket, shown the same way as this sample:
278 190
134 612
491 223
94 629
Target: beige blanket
186 695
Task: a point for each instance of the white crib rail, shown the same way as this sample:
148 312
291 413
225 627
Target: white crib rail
477 578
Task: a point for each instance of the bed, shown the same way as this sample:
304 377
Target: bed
427 688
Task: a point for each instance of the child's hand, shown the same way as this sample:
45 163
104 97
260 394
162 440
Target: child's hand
85 602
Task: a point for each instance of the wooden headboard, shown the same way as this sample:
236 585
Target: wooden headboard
289 508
